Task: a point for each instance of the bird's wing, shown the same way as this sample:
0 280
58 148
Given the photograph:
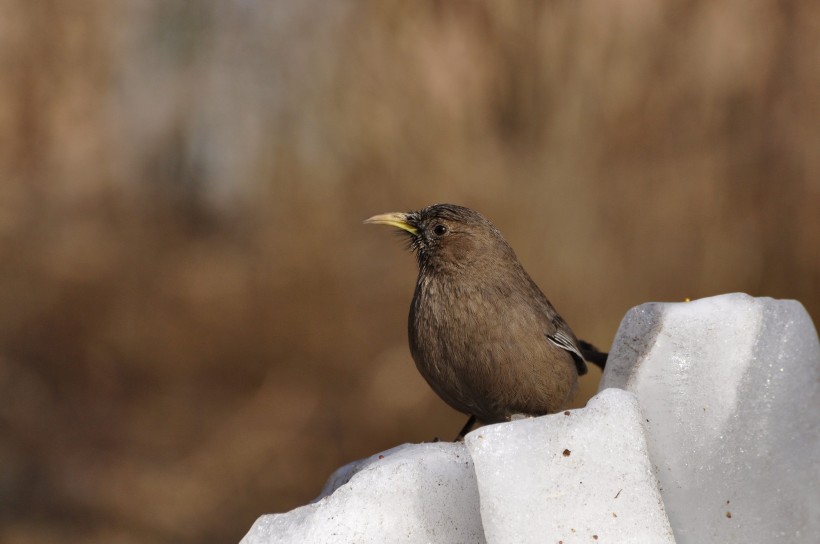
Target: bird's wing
567 342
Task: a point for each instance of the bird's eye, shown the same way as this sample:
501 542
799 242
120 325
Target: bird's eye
440 230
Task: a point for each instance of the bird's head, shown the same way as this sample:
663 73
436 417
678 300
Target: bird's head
446 236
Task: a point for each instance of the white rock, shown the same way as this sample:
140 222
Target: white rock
412 493
582 477
728 423
730 386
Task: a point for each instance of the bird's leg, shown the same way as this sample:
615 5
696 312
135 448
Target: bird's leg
466 429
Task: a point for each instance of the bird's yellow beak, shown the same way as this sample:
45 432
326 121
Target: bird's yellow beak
398 220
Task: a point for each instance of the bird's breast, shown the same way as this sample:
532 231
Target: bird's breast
484 350
466 330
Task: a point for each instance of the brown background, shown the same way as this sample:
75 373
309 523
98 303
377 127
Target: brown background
196 328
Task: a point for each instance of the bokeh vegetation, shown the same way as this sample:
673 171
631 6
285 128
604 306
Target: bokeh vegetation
196 328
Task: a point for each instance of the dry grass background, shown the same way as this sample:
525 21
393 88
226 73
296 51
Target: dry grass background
195 326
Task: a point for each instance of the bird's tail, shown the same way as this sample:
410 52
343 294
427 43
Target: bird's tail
593 354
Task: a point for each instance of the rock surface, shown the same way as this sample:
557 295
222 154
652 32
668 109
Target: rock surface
412 493
579 476
730 386
709 412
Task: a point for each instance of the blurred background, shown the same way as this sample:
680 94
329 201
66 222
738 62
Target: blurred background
196 328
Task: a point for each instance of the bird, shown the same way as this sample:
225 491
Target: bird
481 332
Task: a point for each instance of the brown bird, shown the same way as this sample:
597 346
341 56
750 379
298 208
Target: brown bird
482 333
